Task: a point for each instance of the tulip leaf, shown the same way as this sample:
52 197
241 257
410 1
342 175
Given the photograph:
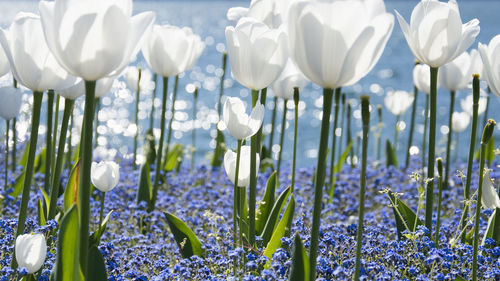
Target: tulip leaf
272 220
337 168
41 213
144 193
150 147
266 204
96 268
279 232
187 241
72 187
68 252
76 153
493 230
40 161
299 270
390 155
405 217
18 185
95 238
174 158
24 157
460 278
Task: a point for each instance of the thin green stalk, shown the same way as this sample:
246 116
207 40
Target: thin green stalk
14 145
334 136
56 176
35 122
365 112
134 164
273 121
348 135
217 152
54 135
160 144
341 140
169 134
7 123
475 107
379 130
235 195
70 146
254 148
487 133
320 179
412 125
193 136
152 117
398 117
450 133
48 140
86 156
282 136
432 151
424 141
296 97
101 212
439 162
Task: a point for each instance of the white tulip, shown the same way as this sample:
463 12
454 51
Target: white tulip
237 121
436 34
31 251
4 63
103 86
105 175
273 13
490 56
457 74
398 101
257 53
468 103
290 78
489 198
476 63
131 75
244 168
460 121
422 78
11 101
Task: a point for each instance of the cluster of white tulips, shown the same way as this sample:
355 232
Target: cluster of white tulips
75 48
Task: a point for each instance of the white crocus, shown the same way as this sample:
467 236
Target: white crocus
105 175
239 124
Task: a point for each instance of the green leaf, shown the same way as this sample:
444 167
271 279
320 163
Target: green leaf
72 187
144 193
490 151
40 161
390 155
272 221
338 168
460 278
96 268
24 157
299 270
150 147
279 232
174 158
18 185
404 215
41 213
219 151
96 236
68 251
76 153
493 230
187 241
266 204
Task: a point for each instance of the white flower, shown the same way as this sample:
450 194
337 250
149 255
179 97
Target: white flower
398 101
489 198
131 75
422 78
490 56
11 100
244 168
290 78
105 175
460 121
467 104
237 121
457 74
31 250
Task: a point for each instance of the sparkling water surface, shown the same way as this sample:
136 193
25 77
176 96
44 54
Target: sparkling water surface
207 18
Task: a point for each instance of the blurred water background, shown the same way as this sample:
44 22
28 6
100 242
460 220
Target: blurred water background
208 18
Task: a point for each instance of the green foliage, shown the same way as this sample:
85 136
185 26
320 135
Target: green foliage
67 266
266 204
219 151
493 230
145 191
299 270
96 268
174 157
390 155
187 241
71 192
150 146
337 169
272 220
18 185
281 229
406 219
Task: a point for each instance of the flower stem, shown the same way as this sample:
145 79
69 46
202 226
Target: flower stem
134 164
334 136
235 195
54 135
475 107
103 195
14 148
254 148
273 121
97 109
152 117
193 136
86 155
169 134
412 125
450 133
160 145
48 140
341 141
348 135
35 122
379 130
70 146
320 180
56 176
282 136
7 123
396 134
296 98
216 161
487 133
439 163
365 112
432 151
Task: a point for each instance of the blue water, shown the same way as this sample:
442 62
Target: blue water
207 18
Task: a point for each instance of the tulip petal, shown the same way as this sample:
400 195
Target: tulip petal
256 118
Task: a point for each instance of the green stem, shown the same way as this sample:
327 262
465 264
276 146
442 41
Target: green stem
169 134
424 141
348 135
365 111
253 177
134 164
7 123
341 141
320 180
48 140
152 117
14 141
475 107
398 117
432 151
439 162
35 122
56 176
450 133
218 139
101 212
273 121
97 108
379 130
193 136
296 98
160 144
54 135
86 155
70 146
282 136
412 125
235 195
334 136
